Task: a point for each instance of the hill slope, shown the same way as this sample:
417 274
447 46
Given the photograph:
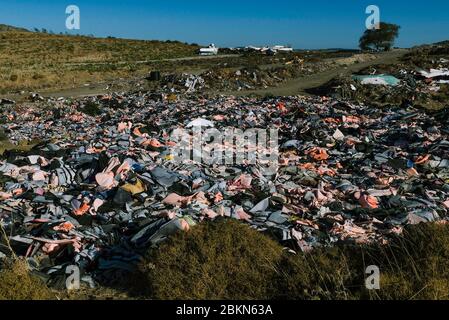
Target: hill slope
31 60
5 27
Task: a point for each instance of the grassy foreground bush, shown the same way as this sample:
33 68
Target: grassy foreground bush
220 260
16 283
413 266
229 260
226 259
416 265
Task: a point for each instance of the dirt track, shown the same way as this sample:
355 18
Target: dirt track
299 85
291 87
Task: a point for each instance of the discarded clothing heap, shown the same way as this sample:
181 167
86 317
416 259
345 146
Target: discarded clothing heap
98 190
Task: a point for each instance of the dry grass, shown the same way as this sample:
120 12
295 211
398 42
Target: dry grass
221 260
16 283
228 260
31 61
412 267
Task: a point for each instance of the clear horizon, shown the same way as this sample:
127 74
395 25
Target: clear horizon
303 25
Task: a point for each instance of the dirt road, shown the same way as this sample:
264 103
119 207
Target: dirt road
291 87
220 56
299 85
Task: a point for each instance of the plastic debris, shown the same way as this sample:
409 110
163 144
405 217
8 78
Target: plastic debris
92 191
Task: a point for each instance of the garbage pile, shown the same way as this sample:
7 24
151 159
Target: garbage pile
96 191
237 78
420 79
408 88
427 57
182 83
246 78
221 78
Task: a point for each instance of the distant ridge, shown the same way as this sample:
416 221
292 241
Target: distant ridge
442 43
39 59
5 27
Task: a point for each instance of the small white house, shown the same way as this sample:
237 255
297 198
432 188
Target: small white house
211 50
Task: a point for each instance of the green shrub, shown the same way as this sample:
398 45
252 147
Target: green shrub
91 109
16 283
215 260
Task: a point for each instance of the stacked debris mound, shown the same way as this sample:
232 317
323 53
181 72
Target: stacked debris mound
428 56
237 78
97 189
420 79
242 79
182 83
221 79
375 92
408 90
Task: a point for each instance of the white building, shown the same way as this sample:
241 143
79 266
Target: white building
211 50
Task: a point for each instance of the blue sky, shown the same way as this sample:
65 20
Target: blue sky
300 23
